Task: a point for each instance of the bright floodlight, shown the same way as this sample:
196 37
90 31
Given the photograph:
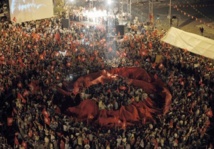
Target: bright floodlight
109 2
71 0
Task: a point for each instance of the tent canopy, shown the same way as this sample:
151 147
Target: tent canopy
194 43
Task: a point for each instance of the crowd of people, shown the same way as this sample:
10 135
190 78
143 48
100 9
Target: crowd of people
98 13
37 57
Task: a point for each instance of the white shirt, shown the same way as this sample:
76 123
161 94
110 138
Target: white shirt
119 139
142 143
128 146
87 146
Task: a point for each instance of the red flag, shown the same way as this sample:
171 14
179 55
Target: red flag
45 113
9 121
23 100
122 88
16 141
24 144
189 94
26 93
150 45
57 37
171 124
47 120
57 110
209 113
62 144
110 49
30 133
14 19
124 125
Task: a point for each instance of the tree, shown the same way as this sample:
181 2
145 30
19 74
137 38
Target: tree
58 6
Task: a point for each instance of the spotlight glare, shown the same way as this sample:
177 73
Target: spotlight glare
109 2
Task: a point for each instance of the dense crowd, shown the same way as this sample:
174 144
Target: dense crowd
37 57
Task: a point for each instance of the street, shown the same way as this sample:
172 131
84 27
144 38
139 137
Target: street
189 16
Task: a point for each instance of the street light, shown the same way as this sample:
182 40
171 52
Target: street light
151 12
109 2
170 12
68 1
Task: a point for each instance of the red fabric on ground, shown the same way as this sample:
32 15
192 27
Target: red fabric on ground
129 113
85 110
135 112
